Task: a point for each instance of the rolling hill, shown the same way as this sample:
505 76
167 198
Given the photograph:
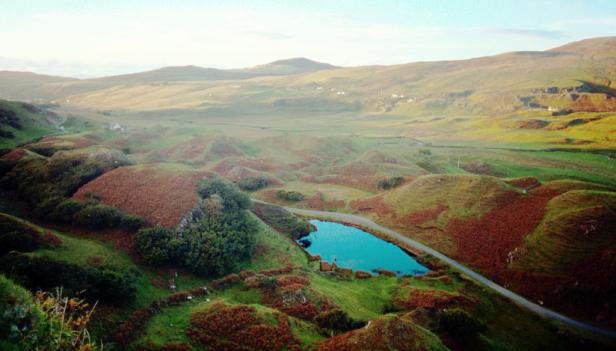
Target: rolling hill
563 96
32 86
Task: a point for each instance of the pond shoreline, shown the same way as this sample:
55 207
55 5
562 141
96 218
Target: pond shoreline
386 257
418 255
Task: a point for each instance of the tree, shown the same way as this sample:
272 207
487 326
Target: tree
216 245
253 183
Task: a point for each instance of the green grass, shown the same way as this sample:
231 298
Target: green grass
550 173
34 125
85 251
170 324
275 251
559 243
362 299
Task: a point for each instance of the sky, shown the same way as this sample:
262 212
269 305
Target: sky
98 38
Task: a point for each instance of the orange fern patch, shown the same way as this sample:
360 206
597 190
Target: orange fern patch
161 197
486 242
223 327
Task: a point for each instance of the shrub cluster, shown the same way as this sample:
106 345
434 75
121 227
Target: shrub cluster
6 134
21 237
156 246
9 118
336 320
290 195
390 183
47 184
90 214
253 183
106 284
215 244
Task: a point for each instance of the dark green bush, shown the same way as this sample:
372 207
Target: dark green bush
46 207
290 195
66 210
233 199
217 245
390 183
106 284
155 246
15 236
96 216
132 222
425 152
224 236
17 313
6 134
253 183
10 118
459 324
16 241
268 283
337 320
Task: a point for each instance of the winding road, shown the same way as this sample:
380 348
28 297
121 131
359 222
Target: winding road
519 300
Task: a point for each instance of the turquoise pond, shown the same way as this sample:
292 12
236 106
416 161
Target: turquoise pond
354 248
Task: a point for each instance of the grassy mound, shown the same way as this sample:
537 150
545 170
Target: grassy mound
432 201
390 332
577 224
571 256
160 193
282 220
241 327
51 144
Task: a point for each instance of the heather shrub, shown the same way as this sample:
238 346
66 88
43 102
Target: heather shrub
106 284
290 195
97 216
390 183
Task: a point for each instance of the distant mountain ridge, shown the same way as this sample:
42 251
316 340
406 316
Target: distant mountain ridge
490 85
192 73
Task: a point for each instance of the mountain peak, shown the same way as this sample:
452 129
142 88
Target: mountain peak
301 62
290 66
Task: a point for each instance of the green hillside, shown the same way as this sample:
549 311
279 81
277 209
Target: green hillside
22 122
